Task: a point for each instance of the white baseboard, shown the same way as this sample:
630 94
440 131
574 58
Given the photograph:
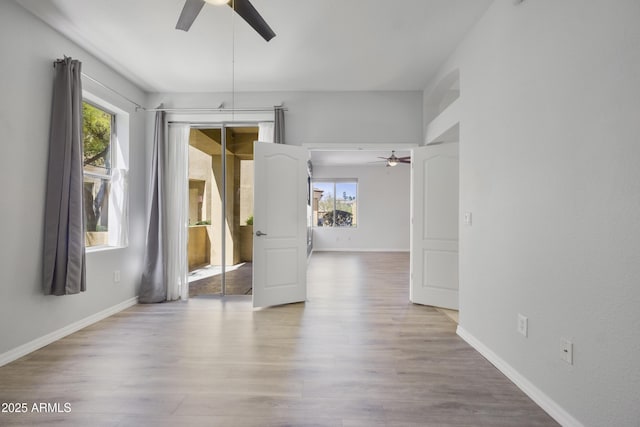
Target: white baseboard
38 343
358 250
545 402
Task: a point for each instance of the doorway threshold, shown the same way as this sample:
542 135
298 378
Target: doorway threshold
210 271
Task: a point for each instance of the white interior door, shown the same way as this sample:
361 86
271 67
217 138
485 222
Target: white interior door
280 224
434 228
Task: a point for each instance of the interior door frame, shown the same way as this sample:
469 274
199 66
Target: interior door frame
196 123
442 139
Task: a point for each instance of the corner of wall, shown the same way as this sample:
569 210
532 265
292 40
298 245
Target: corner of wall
543 400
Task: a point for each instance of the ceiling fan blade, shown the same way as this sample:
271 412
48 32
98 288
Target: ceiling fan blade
249 13
403 160
189 13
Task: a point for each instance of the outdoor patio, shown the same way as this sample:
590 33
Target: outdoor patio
208 280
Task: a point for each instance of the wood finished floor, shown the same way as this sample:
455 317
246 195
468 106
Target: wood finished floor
357 353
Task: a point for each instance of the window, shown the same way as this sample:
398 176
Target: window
97 137
335 203
105 177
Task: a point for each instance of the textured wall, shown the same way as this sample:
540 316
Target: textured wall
29 48
549 106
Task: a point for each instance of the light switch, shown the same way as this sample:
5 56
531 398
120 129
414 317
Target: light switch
566 351
467 218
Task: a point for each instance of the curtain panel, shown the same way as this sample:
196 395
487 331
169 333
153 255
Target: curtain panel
153 285
119 208
177 213
165 272
278 124
64 244
273 131
265 131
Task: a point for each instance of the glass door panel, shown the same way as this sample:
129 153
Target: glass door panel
220 246
206 182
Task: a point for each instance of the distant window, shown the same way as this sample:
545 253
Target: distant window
335 203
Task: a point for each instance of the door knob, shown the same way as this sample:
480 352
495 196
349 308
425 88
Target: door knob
260 233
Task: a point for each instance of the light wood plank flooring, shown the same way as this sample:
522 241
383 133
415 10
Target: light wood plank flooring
357 353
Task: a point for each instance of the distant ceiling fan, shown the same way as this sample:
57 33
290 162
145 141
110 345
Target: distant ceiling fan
243 8
393 160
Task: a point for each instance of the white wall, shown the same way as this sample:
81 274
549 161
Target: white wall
383 210
28 48
549 151
349 119
326 117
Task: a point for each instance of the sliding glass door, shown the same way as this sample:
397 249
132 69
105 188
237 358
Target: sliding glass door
221 209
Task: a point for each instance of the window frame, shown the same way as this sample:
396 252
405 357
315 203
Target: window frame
335 182
118 157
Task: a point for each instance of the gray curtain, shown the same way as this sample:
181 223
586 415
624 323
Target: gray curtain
63 257
278 126
153 287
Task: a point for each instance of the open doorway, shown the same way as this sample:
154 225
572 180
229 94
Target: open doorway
360 203
220 238
387 193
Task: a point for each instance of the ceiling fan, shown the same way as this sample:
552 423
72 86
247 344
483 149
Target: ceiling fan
243 8
393 160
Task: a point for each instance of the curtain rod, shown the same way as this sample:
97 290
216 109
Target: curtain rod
138 106
219 109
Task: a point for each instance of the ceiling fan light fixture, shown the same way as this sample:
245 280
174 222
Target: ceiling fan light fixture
244 8
392 160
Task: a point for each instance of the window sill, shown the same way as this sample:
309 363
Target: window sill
104 248
336 228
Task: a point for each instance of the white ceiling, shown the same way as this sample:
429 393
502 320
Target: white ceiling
319 45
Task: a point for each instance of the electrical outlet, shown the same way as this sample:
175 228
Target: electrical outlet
116 276
523 325
566 351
